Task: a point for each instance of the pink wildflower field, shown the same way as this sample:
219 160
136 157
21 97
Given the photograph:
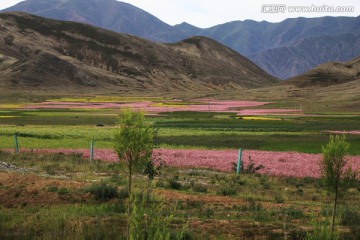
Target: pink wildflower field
275 163
153 107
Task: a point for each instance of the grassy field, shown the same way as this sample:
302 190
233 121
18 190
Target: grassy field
65 197
76 128
58 196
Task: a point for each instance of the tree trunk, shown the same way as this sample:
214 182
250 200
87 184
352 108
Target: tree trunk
129 204
334 212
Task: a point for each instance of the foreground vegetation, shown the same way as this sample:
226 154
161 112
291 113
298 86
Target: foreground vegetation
64 195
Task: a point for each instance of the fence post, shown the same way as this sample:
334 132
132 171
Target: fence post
91 151
16 144
239 161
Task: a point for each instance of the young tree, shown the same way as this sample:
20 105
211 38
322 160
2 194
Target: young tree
133 142
336 176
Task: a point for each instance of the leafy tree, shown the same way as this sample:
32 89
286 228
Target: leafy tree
133 140
337 177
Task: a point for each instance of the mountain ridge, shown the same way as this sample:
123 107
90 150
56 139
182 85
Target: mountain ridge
328 74
39 53
259 41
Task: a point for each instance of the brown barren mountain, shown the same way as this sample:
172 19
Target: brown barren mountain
43 55
327 74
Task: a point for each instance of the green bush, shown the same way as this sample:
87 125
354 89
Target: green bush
102 191
200 188
174 184
297 234
350 217
123 193
63 191
279 199
227 191
293 213
322 230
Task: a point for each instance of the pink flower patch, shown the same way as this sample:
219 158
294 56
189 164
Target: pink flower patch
275 163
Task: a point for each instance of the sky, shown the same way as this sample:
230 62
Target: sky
207 13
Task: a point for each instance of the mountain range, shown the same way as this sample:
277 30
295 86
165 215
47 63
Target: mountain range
283 49
45 55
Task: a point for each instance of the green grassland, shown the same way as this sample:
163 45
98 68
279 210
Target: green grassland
75 128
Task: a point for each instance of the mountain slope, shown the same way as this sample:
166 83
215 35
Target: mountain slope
283 49
249 37
108 14
41 54
307 53
328 74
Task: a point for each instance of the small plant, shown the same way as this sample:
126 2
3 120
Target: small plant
322 230
252 205
251 168
123 193
174 184
227 191
279 199
200 188
52 188
150 219
160 183
51 169
102 191
293 213
297 234
208 213
63 191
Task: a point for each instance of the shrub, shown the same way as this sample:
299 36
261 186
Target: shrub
322 230
252 206
251 168
208 212
160 183
52 188
63 191
279 199
102 191
297 234
123 193
200 188
174 184
350 217
227 191
293 213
